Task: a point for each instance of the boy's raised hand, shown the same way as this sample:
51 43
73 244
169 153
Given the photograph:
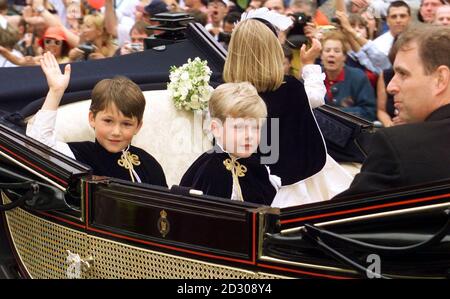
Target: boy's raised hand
57 82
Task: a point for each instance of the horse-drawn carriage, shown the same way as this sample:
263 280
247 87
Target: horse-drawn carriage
59 221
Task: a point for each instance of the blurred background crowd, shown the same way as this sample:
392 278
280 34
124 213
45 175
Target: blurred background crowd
356 36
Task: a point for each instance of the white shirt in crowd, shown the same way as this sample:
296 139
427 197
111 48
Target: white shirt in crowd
384 42
371 57
125 8
61 9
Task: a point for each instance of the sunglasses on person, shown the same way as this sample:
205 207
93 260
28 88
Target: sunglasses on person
55 42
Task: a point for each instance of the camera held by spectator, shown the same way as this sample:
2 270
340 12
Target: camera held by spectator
224 37
296 35
88 48
136 47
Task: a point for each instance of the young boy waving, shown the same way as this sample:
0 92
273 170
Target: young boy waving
115 114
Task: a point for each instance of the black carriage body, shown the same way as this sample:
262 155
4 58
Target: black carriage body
237 235
157 232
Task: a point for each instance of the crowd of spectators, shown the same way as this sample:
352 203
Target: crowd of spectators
356 36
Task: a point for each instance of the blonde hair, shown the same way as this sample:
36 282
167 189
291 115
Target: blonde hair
8 37
98 20
338 36
236 100
254 55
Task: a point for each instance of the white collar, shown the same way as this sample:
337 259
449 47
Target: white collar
221 147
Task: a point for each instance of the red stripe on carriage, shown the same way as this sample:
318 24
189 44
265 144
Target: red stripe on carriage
253 262
254 239
171 247
86 208
303 272
35 166
399 203
62 220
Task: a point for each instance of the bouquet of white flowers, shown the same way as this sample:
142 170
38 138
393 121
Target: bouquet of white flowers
189 85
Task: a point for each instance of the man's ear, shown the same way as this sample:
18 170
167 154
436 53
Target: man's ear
91 120
442 79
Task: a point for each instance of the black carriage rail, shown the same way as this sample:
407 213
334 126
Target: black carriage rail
51 165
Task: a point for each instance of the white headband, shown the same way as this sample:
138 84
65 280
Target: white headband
281 22
3 22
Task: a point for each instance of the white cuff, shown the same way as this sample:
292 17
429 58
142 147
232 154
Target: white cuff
313 79
42 129
313 72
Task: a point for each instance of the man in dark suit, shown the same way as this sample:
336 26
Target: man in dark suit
419 151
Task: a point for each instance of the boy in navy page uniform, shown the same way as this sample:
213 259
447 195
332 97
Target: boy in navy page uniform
115 114
231 169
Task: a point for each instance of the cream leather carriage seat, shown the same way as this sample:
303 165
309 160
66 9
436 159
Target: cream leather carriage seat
175 138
